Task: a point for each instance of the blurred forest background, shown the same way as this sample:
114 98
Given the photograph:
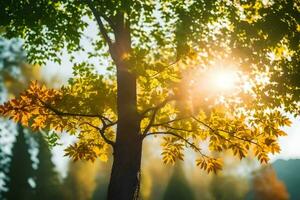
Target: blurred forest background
27 167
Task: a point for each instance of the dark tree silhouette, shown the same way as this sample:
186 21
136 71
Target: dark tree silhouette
11 58
47 180
178 187
3 167
80 181
20 170
228 187
4 159
102 182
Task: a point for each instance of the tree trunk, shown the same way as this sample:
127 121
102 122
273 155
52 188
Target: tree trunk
125 174
124 181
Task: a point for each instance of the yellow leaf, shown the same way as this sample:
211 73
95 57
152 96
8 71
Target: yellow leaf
103 157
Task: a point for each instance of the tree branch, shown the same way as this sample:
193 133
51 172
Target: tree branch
150 122
169 65
61 113
100 23
162 104
155 110
240 138
170 121
102 133
105 125
201 122
102 118
109 21
179 137
178 129
215 131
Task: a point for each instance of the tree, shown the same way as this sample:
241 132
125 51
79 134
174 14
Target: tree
3 166
80 182
267 186
161 59
20 170
46 178
228 187
11 58
178 187
102 181
6 130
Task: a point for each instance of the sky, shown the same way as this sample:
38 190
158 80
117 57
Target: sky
290 147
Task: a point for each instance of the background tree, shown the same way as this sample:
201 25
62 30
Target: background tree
20 170
102 182
12 57
3 163
47 184
80 182
157 54
178 187
267 186
228 187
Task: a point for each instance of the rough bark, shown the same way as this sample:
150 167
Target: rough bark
124 181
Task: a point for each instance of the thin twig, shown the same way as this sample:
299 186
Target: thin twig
102 133
155 110
169 65
215 131
61 113
178 129
102 118
100 23
160 105
171 121
180 137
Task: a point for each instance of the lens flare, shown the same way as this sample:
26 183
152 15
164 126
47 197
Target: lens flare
224 79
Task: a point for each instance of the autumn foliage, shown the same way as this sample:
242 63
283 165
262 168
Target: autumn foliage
266 185
38 106
42 108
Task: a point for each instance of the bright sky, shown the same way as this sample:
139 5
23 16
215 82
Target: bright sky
290 147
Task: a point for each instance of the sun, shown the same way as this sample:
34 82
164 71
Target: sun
220 78
224 79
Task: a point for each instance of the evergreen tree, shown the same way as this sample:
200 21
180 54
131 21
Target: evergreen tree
2 169
11 57
3 158
47 181
20 170
228 187
80 182
2 155
102 181
178 187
